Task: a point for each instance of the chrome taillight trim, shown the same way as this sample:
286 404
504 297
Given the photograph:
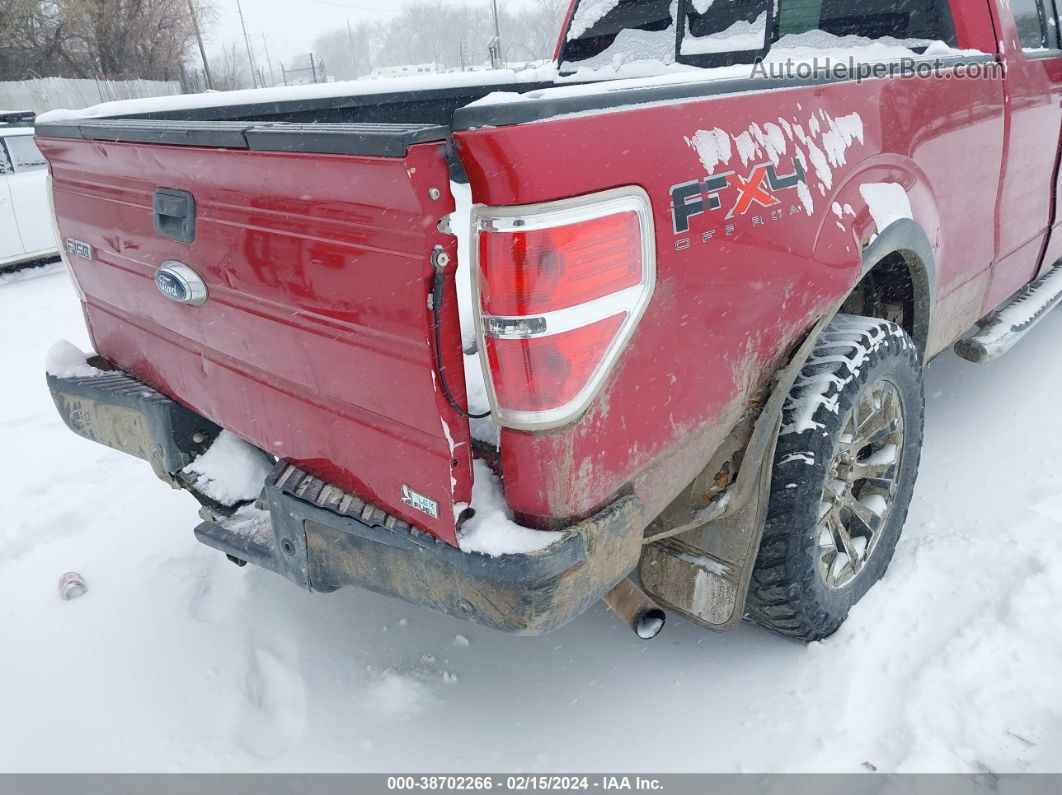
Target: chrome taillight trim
561 320
631 301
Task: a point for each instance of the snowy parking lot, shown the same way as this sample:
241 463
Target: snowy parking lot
176 660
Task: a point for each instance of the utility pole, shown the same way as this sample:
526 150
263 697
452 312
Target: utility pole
353 53
497 31
247 41
265 46
202 49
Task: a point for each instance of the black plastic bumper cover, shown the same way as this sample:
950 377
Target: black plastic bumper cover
324 538
119 411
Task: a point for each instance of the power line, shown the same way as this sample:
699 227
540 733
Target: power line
265 46
497 35
202 49
353 53
247 41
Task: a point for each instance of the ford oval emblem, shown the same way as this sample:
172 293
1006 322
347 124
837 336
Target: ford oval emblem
180 283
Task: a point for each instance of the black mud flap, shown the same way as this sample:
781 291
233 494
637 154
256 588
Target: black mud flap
703 573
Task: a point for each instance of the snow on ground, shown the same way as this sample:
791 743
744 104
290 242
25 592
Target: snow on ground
177 660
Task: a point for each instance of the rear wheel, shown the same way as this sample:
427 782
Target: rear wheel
844 472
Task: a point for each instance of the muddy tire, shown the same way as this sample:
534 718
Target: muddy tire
844 471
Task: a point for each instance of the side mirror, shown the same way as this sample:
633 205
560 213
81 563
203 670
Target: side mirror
724 32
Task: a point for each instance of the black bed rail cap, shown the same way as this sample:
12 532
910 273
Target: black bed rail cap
380 140
58 129
222 134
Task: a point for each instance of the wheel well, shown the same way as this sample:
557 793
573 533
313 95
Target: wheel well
894 289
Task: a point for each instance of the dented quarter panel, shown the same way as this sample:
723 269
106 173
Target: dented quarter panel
727 309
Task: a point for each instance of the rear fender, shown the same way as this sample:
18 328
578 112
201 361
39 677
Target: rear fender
714 596
854 224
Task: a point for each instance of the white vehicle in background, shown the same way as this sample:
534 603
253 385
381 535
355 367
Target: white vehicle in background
25 217
407 70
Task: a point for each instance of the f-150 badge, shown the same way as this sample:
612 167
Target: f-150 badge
83 250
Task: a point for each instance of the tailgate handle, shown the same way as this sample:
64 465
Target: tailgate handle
174 215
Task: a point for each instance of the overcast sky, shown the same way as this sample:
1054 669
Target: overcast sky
290 26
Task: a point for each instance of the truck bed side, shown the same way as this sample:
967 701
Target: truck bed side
737 284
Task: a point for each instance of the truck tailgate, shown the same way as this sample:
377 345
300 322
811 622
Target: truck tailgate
315 342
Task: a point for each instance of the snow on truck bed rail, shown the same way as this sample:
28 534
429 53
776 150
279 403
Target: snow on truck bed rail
645 64
254 96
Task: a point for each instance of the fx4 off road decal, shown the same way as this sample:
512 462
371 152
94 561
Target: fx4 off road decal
736 195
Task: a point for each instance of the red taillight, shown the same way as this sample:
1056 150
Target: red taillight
542 270
561 287
541 373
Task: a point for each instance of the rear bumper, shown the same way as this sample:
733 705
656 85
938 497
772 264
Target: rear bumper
324 538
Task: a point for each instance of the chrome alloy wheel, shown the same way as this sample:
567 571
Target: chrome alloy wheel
860 484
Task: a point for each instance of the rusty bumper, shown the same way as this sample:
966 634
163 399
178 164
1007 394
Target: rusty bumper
323 538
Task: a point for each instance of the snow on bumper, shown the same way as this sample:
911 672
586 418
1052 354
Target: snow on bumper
323 538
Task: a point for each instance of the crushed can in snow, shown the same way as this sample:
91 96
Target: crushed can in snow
72 585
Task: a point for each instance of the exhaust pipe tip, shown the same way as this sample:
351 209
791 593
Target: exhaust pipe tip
635 609
648 623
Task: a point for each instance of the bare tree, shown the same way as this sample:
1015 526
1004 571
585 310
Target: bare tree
113 39
229 68
419 33
450 36
348 52
31 38
537 27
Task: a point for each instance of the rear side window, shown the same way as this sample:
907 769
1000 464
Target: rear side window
907 20
1037 26
723 26
612 33
628 30
24 152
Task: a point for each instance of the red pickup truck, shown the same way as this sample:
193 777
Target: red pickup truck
700 264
